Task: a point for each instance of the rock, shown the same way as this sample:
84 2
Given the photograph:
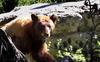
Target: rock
74 9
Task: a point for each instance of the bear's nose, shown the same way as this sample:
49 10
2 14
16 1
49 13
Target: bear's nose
46 35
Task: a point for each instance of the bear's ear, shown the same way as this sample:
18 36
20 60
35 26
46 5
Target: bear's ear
53 18
34 17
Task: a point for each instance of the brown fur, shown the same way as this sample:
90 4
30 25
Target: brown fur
29 34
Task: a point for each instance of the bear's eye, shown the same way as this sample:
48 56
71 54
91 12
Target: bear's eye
40 26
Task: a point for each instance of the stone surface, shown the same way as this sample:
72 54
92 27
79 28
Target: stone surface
67 9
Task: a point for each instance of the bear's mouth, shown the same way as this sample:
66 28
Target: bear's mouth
44 39
45 35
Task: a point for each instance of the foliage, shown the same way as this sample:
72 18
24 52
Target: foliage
62 49
26 2
8 5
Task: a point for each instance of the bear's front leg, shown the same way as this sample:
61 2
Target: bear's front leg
43 55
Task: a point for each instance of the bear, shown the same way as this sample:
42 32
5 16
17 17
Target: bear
29 34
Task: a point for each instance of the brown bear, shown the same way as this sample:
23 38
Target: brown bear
29 34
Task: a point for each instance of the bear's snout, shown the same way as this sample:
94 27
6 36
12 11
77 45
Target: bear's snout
46 35
47 31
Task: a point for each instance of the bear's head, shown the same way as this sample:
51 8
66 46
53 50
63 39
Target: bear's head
43 25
